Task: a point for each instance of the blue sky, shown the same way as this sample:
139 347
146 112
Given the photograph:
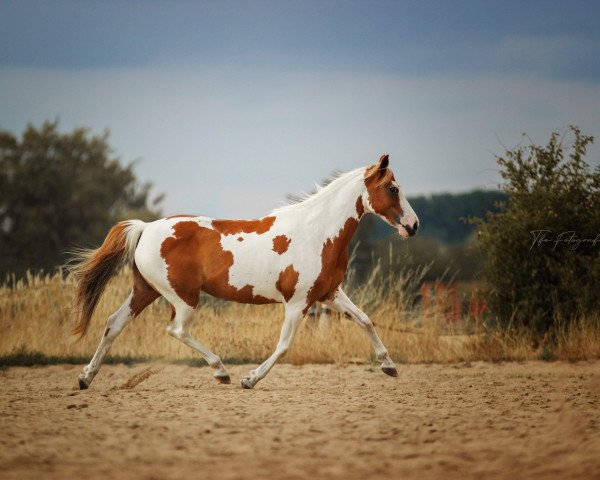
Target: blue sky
228 106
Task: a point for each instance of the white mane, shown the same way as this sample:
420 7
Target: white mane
322 193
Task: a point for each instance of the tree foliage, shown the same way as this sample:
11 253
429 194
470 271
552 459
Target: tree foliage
443 215
541 252
61 190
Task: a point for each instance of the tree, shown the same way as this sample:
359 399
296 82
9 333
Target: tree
61 190
541 251
442 214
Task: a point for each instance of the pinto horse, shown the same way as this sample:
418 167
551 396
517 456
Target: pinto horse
297 256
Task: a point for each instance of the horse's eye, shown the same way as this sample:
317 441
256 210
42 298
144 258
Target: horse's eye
394 190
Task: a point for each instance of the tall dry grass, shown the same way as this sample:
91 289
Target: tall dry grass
36 316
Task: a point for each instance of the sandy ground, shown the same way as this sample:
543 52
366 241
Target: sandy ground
155 421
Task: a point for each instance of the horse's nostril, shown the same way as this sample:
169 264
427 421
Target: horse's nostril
409 230
416 226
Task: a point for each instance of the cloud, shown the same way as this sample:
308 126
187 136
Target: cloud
231 141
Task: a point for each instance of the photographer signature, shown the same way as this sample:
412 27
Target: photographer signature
569 238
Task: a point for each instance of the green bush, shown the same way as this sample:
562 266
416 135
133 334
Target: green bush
541 251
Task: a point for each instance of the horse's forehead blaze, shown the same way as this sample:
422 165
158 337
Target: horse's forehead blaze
281 244
233 227
287 281
196 261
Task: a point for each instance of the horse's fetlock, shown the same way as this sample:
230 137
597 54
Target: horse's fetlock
215 363
368 325
382 356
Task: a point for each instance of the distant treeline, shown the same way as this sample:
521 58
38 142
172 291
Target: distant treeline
443 215
443 246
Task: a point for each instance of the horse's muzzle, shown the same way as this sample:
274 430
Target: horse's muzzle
408 226
412 230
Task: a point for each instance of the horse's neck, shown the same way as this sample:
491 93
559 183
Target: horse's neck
328 213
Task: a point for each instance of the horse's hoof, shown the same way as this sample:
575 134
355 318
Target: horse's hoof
391 371
83 385
246 384
225 379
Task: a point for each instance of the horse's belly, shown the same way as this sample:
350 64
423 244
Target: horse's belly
246 294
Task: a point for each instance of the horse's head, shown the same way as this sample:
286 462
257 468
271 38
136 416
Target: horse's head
384 197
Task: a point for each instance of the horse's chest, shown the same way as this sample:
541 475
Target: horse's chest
333 270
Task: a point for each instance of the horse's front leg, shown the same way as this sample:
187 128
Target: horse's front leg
344 305
293 317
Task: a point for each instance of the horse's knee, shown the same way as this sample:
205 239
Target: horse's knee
177 332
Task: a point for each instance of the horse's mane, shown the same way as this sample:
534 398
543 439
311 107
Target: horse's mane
293 198
333 181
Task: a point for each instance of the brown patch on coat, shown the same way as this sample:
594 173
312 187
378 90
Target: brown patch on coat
382 200
143 293
232 227
286 284
196 261
240 239
281 244
360 207
334 262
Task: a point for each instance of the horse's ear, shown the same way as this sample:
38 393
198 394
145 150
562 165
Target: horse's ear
384 161
379 169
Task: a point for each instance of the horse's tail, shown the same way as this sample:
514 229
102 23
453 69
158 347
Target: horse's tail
94 268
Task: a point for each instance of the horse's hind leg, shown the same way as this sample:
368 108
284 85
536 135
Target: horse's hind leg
179 329
140 297
115 324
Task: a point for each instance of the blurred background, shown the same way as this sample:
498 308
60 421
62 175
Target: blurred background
112 110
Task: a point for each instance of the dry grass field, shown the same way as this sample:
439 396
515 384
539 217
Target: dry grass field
36 318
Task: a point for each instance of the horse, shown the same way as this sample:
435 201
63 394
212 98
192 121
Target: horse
297 255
